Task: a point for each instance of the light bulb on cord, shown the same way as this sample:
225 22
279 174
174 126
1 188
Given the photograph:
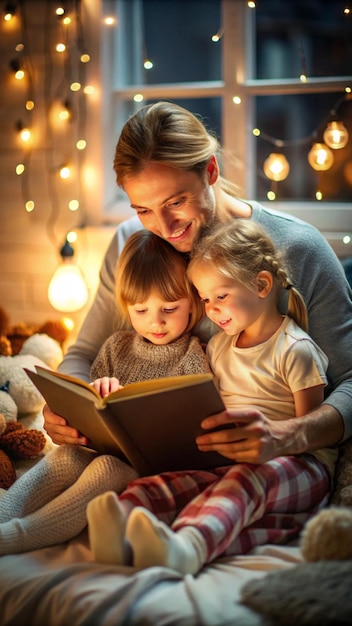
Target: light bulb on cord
320 157
276 167
336 135
68 291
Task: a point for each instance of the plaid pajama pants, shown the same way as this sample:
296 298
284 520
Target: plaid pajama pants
235 509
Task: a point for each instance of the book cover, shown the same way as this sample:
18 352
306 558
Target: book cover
152 424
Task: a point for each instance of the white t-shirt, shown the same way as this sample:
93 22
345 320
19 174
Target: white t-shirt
266 376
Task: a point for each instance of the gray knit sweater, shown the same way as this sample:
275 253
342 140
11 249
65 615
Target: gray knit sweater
130 358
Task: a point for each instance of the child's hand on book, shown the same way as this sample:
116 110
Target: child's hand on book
106 385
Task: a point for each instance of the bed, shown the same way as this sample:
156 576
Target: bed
62 586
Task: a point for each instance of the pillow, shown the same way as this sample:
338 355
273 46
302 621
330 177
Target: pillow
309 594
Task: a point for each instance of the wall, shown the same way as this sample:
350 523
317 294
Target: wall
30 241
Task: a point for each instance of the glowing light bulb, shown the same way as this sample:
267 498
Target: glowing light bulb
320 157
29 206
336 135
73 205
276 167
81 144
25 134
65 172
67 291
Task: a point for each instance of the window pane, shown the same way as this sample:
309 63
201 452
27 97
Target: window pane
177 36
309 36
299 121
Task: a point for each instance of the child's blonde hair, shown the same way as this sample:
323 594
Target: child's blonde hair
149 264
240 250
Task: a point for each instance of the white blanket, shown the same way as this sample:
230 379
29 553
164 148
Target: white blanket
62 586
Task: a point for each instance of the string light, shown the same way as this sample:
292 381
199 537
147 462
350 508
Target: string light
65 172
320 157
10 11
276 167
17 69
336 135
215 38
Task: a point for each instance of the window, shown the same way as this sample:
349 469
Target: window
258 59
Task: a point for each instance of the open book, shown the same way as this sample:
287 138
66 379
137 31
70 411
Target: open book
152 424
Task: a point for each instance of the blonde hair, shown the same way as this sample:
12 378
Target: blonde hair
240 250
169 134
150 264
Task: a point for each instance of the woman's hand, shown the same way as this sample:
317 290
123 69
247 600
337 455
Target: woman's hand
253 438
58 431
106 385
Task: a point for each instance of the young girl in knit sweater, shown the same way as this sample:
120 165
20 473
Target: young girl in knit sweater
47 505
263 361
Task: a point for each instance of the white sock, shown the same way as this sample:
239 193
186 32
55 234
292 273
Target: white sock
154 543
106 529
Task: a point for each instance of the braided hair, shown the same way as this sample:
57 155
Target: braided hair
240 250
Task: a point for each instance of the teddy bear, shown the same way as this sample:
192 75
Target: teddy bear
328 535
20 397
16 442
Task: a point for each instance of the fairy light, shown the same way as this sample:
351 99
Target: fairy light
148 64
60 11
318 195
89 90
236 100
109 20
217 36
85 58
81 144
75 86
20 169
29 105
138 97
73 205
276 167
336 135
29 206
320 157
60 47
65 172
10 11
251 4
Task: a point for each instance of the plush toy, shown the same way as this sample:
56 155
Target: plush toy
12 337
16 442
18 395
328 535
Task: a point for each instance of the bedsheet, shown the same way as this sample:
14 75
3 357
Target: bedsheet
62 586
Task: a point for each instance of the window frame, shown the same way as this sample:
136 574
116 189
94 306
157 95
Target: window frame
237 120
